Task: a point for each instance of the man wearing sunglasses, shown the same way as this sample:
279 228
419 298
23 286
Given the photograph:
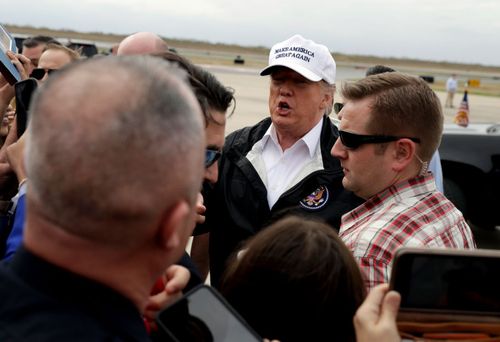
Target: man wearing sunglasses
435 163
390 126
214 99
53 58
282 165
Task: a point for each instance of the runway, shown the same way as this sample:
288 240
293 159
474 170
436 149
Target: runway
251 91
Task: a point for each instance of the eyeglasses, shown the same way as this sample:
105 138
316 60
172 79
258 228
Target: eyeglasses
353 141
39 73
337 107
211 156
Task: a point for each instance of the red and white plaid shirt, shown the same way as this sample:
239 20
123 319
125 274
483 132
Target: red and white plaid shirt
411 213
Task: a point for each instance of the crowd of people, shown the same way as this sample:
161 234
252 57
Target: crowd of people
296 220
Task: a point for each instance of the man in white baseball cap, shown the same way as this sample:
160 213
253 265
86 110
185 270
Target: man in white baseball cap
282 165
311 60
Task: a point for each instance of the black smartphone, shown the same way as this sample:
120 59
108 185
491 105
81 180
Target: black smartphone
24 91
204 315
8 43
448 281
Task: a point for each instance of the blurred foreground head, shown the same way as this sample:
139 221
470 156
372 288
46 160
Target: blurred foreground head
141 43
116 144
296 281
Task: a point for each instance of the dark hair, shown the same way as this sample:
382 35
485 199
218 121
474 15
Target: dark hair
378 69
296 281
37 40
209 92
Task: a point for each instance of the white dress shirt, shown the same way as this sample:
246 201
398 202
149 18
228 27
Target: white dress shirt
281 170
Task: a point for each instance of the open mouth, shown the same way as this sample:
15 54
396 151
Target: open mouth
283 105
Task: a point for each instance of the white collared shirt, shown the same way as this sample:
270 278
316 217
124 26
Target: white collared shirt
281 170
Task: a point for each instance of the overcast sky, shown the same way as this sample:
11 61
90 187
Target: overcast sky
443 30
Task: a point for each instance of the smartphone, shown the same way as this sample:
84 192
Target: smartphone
24 91
204 315
8 43
448 281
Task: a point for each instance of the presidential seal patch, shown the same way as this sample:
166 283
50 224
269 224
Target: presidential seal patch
317 199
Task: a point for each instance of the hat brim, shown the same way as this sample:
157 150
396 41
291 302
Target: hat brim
297 68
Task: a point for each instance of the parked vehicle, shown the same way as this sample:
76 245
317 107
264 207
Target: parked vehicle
87 49
470 158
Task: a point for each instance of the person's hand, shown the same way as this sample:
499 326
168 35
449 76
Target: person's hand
375 319
22 63
167 289
15 157
10 115
200 210
7 93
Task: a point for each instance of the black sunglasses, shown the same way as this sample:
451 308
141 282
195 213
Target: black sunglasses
353 141
39 73
211 156
337 107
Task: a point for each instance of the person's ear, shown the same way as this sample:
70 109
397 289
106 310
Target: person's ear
173 226
402 154
327 102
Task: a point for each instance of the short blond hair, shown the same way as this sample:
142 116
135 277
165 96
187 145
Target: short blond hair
72 54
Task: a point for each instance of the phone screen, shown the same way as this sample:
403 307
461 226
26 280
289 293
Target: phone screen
8 70
459 283
203 315
24 92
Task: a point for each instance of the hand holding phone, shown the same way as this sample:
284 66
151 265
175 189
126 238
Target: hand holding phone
24 91
8 43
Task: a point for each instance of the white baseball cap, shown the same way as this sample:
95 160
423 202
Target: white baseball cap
311 60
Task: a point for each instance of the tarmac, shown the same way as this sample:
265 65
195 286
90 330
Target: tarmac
251 92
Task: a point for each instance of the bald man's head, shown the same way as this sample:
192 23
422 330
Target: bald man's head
141 43
118 138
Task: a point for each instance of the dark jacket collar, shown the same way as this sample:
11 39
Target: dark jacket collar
115 312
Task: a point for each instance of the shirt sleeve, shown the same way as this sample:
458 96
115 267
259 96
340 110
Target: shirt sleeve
15 238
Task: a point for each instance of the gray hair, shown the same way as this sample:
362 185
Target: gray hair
116 138
329 89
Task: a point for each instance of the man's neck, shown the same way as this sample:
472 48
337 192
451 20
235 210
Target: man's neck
402 176
287 138
103 264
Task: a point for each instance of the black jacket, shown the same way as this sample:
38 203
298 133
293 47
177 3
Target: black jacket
237 208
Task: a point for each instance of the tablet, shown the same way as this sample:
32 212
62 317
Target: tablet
8 43
204 315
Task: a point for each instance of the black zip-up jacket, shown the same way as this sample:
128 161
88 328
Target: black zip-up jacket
237 208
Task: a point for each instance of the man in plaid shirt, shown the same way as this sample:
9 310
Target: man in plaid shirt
390 126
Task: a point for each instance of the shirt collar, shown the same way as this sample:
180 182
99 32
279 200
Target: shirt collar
310 139
414 187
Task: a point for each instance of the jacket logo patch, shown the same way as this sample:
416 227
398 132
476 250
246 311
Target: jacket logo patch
317 199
